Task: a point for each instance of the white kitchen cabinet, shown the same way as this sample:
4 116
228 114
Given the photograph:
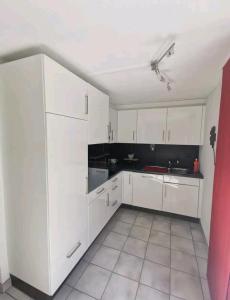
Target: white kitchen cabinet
113 125
115 195
127 188
98 213
181 199
103 203
184 125
127 126
65 93
151 126
98 116
46 164
147 190
68 210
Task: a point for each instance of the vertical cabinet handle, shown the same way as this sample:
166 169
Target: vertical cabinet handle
86 104
107 200
71 253
129 178
169 135
163 136
108 129
112 135
165 191
133 135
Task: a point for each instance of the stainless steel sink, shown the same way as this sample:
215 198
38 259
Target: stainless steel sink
181 171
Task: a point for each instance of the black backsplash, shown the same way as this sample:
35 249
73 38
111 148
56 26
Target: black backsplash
160 156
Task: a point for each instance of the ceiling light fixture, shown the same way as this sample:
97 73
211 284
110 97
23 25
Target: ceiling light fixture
155 66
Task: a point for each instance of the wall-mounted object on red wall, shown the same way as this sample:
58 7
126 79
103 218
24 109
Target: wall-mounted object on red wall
219 250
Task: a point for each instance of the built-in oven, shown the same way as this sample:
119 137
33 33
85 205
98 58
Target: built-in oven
97 176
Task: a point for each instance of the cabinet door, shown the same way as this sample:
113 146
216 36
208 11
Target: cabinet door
147 190
65 93
151 126
68 210
113 125
97 214
98 106
184 125
181 199
127 126
115 195
127 188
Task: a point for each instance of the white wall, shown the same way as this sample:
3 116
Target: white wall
206 158
4 270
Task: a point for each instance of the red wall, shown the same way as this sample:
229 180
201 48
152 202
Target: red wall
219 251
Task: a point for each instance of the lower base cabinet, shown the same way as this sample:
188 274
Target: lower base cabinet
103 203
181 199
97 214
147 190
127 188
115 195
173 194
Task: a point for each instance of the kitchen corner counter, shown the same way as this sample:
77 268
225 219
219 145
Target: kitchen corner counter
114 169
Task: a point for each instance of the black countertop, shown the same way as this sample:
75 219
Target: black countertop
136 167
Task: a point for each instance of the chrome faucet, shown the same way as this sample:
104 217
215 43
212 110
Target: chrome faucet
169 164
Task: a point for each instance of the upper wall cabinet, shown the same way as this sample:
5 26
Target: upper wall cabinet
64 91
184 125
127 126
173 125
98 115
151 126
113 125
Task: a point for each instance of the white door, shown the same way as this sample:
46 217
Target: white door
97 214
67 183
98 108
113 125
65 93
151 126
127 188
184 125
147 190
181 199
127 126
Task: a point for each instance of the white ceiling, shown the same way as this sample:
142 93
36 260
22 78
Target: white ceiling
113 41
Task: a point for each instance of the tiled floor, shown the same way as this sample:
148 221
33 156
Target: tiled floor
139 256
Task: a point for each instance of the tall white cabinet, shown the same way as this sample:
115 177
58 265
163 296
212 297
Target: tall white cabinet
67 174
45 163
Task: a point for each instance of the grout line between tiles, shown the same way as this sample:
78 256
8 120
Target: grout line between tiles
11 296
